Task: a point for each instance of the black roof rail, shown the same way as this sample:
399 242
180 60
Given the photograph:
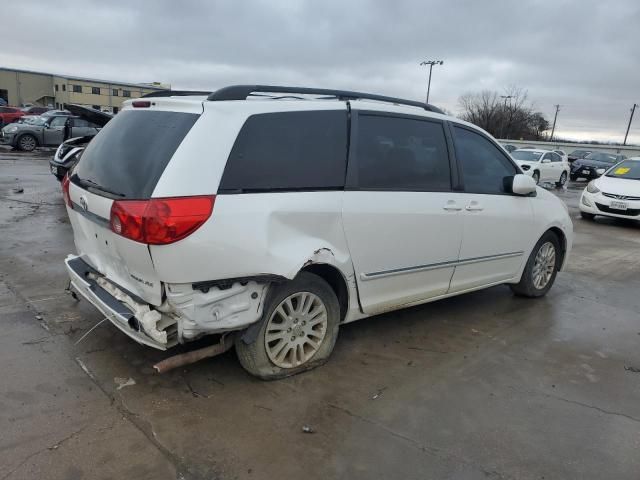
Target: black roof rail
241 92
174 93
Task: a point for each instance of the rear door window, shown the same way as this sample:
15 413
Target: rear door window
130 153
401 154
288 151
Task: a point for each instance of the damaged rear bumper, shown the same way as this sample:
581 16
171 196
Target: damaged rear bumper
85 281
187 313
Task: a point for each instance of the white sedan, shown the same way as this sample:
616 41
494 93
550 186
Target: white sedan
615 194
543 165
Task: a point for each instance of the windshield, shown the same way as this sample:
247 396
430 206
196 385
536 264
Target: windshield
130 153
629 169
526 155
579 153
602 157
38 121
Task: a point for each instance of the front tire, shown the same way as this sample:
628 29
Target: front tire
298 329
541 269
536 177
27 143
562 181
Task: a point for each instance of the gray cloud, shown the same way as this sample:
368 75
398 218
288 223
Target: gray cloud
582 54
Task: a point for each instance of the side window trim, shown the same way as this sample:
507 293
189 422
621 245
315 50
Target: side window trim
352 181
490 140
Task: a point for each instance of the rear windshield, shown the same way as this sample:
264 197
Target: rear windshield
128 156
526 156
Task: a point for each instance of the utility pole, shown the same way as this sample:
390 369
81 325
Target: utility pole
505 98
629 126
431 63
554 122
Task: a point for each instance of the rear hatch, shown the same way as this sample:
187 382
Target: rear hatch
124 162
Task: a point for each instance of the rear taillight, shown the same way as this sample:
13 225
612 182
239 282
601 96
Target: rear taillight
65 191
160 221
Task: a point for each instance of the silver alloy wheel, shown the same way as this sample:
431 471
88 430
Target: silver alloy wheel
536 177
27 143
295 330
544 265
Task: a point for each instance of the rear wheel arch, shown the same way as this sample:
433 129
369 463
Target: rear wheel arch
334 277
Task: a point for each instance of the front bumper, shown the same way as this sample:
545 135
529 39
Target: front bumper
598 204
586 172
6 138
84 280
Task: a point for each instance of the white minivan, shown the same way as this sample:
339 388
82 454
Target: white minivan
273 215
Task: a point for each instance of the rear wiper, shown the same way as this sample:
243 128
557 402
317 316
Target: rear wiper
97 186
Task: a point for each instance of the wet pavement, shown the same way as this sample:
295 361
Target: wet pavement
485 385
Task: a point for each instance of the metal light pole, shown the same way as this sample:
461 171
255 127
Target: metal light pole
505 98
431 63
629 126
554 122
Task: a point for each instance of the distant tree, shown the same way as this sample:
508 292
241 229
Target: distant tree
512 117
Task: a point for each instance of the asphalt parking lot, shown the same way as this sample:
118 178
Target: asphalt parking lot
485 385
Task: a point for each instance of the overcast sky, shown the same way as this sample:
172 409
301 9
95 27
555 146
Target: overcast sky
582 54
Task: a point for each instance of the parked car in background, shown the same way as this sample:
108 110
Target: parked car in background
508 147
594 164
3 102
614 194
542 165
9 115
48 131
577 155
563 154
68 155
27 119
69 152
35 110
423 206
57 113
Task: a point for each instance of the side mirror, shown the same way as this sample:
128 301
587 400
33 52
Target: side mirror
520 184
546 160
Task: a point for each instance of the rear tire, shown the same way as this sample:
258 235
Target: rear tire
541 269
289 340
587 216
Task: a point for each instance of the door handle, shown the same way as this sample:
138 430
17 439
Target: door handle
474 207
452 206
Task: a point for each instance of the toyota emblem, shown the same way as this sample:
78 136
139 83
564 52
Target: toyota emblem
83 203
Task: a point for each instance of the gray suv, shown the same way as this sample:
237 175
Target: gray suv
46 131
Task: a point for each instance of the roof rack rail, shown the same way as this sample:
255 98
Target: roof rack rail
174 93
241 92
